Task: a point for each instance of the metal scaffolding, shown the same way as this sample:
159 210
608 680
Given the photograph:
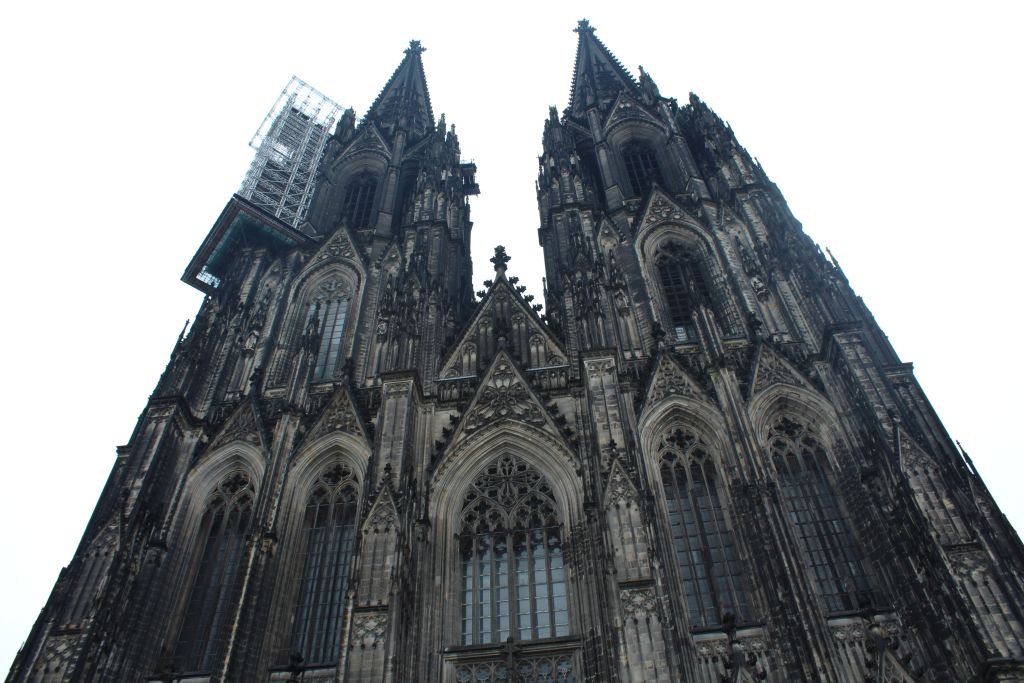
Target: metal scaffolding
289 144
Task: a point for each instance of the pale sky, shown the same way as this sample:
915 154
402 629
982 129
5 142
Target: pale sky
893 129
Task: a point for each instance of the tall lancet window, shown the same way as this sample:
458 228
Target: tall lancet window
641 167
705 553
683 285
222 532
513 575
821 528
327 313
357 206
329 528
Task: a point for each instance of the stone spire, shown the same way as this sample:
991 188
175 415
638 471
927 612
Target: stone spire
405 102
598 75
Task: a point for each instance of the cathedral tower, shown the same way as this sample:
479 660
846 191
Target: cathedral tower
703 462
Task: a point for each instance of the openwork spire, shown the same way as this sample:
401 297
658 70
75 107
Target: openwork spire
598 75
405 102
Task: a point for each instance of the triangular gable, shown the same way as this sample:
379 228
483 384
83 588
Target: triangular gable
368 139
503 394
500 305
771 368
670 379
620 489
339 415
383 515
242 425
339 247
628 109
661 208
913 456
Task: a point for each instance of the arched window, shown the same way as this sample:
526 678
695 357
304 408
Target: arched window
329 528
641 167
683 285
223 529
357 206
820 526
327 312
703 544
513 576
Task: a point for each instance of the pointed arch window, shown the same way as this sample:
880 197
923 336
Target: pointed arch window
822 530
326 320
642 168
222 529
329 527
684 284
513 572
704 549
357 205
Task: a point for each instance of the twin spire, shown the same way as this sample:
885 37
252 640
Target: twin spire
405 101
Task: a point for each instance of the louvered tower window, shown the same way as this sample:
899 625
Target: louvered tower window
329 528
704 550
357 206
824 535
222 530
513 575
641 167
683 286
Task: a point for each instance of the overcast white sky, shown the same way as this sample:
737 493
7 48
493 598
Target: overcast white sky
893 129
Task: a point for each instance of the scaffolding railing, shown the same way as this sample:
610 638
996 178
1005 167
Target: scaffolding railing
289 145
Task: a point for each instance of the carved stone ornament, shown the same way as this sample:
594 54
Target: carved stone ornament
241 426
672 380
369 626
339 416
662 209
638 603
968 562
620 490
58 651
383 515
771 369
339 246
504 396
914 458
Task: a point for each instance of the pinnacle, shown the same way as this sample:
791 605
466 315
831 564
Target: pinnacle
405 101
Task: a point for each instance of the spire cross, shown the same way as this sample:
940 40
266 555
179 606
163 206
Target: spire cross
415 48
583 26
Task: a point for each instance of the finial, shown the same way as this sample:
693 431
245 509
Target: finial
500 259
583 26
415 48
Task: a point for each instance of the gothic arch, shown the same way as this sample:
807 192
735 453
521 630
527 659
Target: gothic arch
336 463
332 292
676 411
538 448
631 134
452 483
809 407
656 239
237 470
685 454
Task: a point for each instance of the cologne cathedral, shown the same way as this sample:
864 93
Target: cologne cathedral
703 462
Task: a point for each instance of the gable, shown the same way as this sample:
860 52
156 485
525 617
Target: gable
770 368
670 379
339 415
628 110
503 320
243 425
367 140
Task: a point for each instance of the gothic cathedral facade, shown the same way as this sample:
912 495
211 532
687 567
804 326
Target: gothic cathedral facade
703 462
